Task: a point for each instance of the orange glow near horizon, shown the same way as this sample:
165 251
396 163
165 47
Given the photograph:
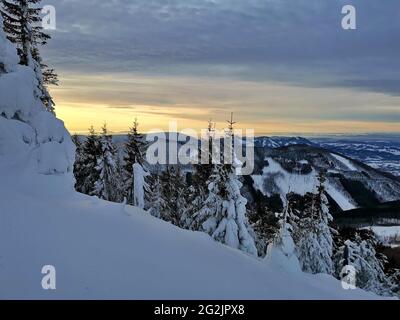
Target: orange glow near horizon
78 118
268 108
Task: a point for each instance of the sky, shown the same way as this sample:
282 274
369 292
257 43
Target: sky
282 66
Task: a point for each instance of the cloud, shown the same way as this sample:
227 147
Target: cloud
292 43
269 39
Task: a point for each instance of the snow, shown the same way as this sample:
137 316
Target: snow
17 93
15 136
343 201
287 182
8 53
299 184
387 234
139 185
53 159
105 250
49 128
346 162
258 182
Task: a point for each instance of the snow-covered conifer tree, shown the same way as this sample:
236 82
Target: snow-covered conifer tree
135 148
76 140
23 28
107 186
198 191
78 154
313 234
85 170
174 196
224 211
223 215
358 251
266 226
155 195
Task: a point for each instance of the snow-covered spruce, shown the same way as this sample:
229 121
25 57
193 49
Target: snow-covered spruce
155 195
310 220
23 28
358 251
198 191
223 215
107 186
24 123
87 157
224 211
173 196
134 170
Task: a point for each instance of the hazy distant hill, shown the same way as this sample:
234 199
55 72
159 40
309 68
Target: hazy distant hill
378 151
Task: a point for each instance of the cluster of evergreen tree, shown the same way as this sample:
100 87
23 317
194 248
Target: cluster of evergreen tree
99 172
210 202
209 199
304 227
360 249
22 25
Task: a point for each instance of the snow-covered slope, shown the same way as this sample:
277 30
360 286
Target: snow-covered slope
387 235
105 250
279 181
350 184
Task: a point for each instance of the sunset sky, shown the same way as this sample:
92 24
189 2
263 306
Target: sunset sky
281 66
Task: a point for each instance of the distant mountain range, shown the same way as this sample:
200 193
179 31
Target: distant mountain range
276 142
378 151
294 168
291 164
381 152
362 172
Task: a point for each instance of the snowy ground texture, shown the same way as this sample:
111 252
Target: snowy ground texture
107 251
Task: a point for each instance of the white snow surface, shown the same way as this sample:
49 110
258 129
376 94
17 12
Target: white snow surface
24 123
387 234
105 250
346 162
339 197
8 53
